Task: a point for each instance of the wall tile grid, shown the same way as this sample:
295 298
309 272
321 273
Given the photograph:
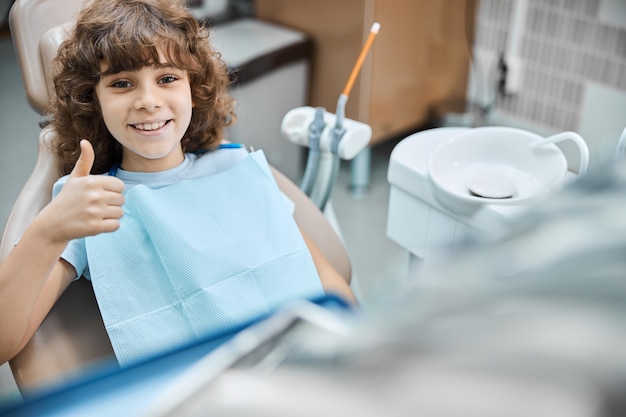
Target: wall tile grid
563 46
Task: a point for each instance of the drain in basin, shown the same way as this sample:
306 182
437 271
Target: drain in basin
491 186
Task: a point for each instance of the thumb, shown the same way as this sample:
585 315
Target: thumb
85 161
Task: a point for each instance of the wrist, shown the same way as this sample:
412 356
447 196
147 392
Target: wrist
44 229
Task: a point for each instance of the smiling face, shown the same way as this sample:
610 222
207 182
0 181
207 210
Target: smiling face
148 112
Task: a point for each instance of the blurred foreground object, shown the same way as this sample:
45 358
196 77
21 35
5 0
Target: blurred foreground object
531 325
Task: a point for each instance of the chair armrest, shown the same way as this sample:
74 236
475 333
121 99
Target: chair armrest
312 221
35 195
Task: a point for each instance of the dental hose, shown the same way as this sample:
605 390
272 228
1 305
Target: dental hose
313 159
339 130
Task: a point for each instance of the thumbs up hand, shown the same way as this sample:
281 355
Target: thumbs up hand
88 204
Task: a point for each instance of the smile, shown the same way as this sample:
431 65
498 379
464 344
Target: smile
147 127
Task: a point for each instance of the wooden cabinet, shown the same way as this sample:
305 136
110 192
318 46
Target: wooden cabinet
419 59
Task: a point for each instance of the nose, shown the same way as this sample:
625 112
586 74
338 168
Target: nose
147 97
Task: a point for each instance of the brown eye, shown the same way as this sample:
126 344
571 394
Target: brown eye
167 79
121 84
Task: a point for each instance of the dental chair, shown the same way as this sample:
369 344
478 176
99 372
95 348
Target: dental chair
72 337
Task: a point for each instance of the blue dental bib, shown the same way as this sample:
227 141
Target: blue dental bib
196 258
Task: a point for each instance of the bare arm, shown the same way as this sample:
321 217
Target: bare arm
332 281
31 280
32 277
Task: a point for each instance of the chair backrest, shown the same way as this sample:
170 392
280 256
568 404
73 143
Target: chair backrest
73 336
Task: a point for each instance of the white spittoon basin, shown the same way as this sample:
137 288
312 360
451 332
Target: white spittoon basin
497 165
449 183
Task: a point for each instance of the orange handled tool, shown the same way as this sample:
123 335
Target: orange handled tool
359 62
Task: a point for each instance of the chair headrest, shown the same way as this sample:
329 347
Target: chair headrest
48 48
37 29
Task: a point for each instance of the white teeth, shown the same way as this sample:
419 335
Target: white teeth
150 126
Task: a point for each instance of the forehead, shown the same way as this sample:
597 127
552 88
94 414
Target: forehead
118 59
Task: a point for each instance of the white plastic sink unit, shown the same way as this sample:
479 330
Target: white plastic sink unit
498 165
424 223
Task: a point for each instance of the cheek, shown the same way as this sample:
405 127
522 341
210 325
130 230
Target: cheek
107 118
111 111
187 106
102 110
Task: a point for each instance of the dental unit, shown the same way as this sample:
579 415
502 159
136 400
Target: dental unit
329 137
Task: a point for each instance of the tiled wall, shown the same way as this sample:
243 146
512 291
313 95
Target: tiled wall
565 45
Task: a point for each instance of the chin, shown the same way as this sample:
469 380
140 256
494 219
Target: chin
157 152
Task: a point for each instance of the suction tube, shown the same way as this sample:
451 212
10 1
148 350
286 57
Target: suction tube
338 131
313 159
359 62
340 113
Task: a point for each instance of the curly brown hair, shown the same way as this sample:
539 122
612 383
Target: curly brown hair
126 35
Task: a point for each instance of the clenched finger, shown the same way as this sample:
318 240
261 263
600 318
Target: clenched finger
114 198
111 184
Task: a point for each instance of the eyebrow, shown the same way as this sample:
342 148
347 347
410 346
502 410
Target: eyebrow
165 65
160 65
